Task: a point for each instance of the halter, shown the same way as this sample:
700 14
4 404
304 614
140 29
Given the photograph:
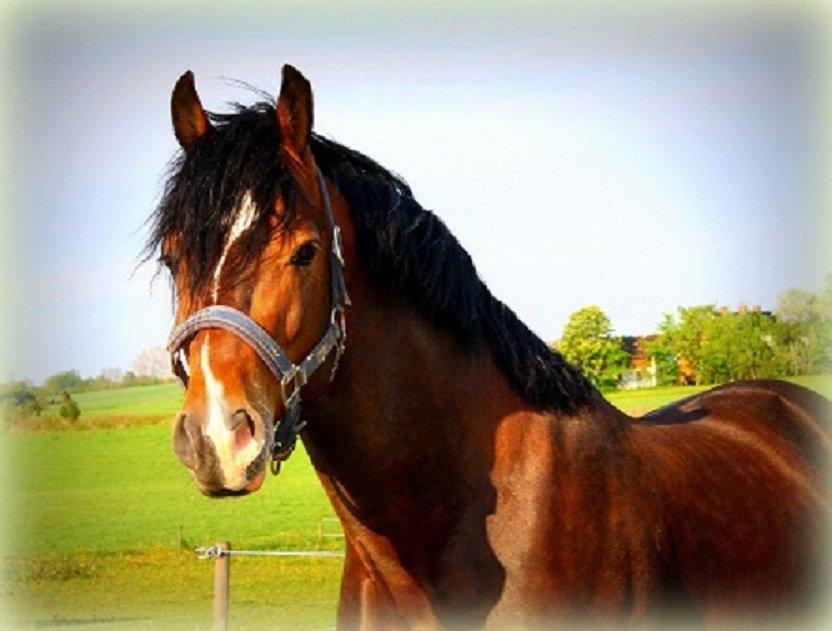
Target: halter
292 377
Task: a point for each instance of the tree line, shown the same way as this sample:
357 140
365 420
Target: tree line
702 344
22 399
705 344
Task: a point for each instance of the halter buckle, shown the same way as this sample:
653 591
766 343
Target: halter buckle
296 379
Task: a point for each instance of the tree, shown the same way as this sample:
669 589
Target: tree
152 362
825 298
67 380
115 375
804 334
799 306
739 346
130 379
685 335
587 342
662 352
717 346
69 408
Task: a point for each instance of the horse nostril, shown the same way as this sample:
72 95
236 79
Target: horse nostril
183 445
243 427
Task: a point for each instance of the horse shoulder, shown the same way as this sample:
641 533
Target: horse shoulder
569 520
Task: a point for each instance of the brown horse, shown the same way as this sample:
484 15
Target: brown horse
479 478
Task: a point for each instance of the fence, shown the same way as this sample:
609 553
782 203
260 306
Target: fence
322 529
222 552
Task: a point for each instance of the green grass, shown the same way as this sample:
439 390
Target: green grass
165 589
139 402
118 490
646 399
95 516
157 400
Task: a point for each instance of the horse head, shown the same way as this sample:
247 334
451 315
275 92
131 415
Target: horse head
248 235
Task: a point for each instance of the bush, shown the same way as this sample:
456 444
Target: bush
20 401
69 408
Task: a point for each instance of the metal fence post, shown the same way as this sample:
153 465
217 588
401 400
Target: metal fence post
221 572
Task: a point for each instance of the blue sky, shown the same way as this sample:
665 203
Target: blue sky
638 160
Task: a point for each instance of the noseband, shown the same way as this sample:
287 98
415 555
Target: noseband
292 377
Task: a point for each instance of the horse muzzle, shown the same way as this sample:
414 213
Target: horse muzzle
227 452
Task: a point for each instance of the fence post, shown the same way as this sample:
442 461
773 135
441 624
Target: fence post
221 572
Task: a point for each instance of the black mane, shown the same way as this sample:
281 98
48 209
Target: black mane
403 248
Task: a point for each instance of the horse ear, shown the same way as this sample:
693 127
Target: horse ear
294 113
190 122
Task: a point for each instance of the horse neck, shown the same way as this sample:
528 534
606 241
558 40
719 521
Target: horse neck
404 436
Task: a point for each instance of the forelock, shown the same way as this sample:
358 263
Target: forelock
237 163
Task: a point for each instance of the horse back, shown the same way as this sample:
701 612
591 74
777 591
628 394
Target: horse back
792 419
739 477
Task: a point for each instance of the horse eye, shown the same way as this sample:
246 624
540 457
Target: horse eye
168 261
305 254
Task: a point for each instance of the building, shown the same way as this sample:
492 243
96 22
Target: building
642 370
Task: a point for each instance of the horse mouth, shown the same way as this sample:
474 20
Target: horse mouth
213 482
221 491
256 482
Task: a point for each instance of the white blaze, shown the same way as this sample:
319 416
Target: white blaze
242 222
232 463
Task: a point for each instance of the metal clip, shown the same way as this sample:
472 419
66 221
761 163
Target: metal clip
286 436
279 456
211 552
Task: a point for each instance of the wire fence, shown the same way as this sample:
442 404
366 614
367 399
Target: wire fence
222 552
216 551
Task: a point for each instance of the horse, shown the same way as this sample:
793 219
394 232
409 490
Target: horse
480 479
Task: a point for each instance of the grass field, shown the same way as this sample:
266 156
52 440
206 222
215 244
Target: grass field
142 403
125 406
163 589
119 490
95 518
